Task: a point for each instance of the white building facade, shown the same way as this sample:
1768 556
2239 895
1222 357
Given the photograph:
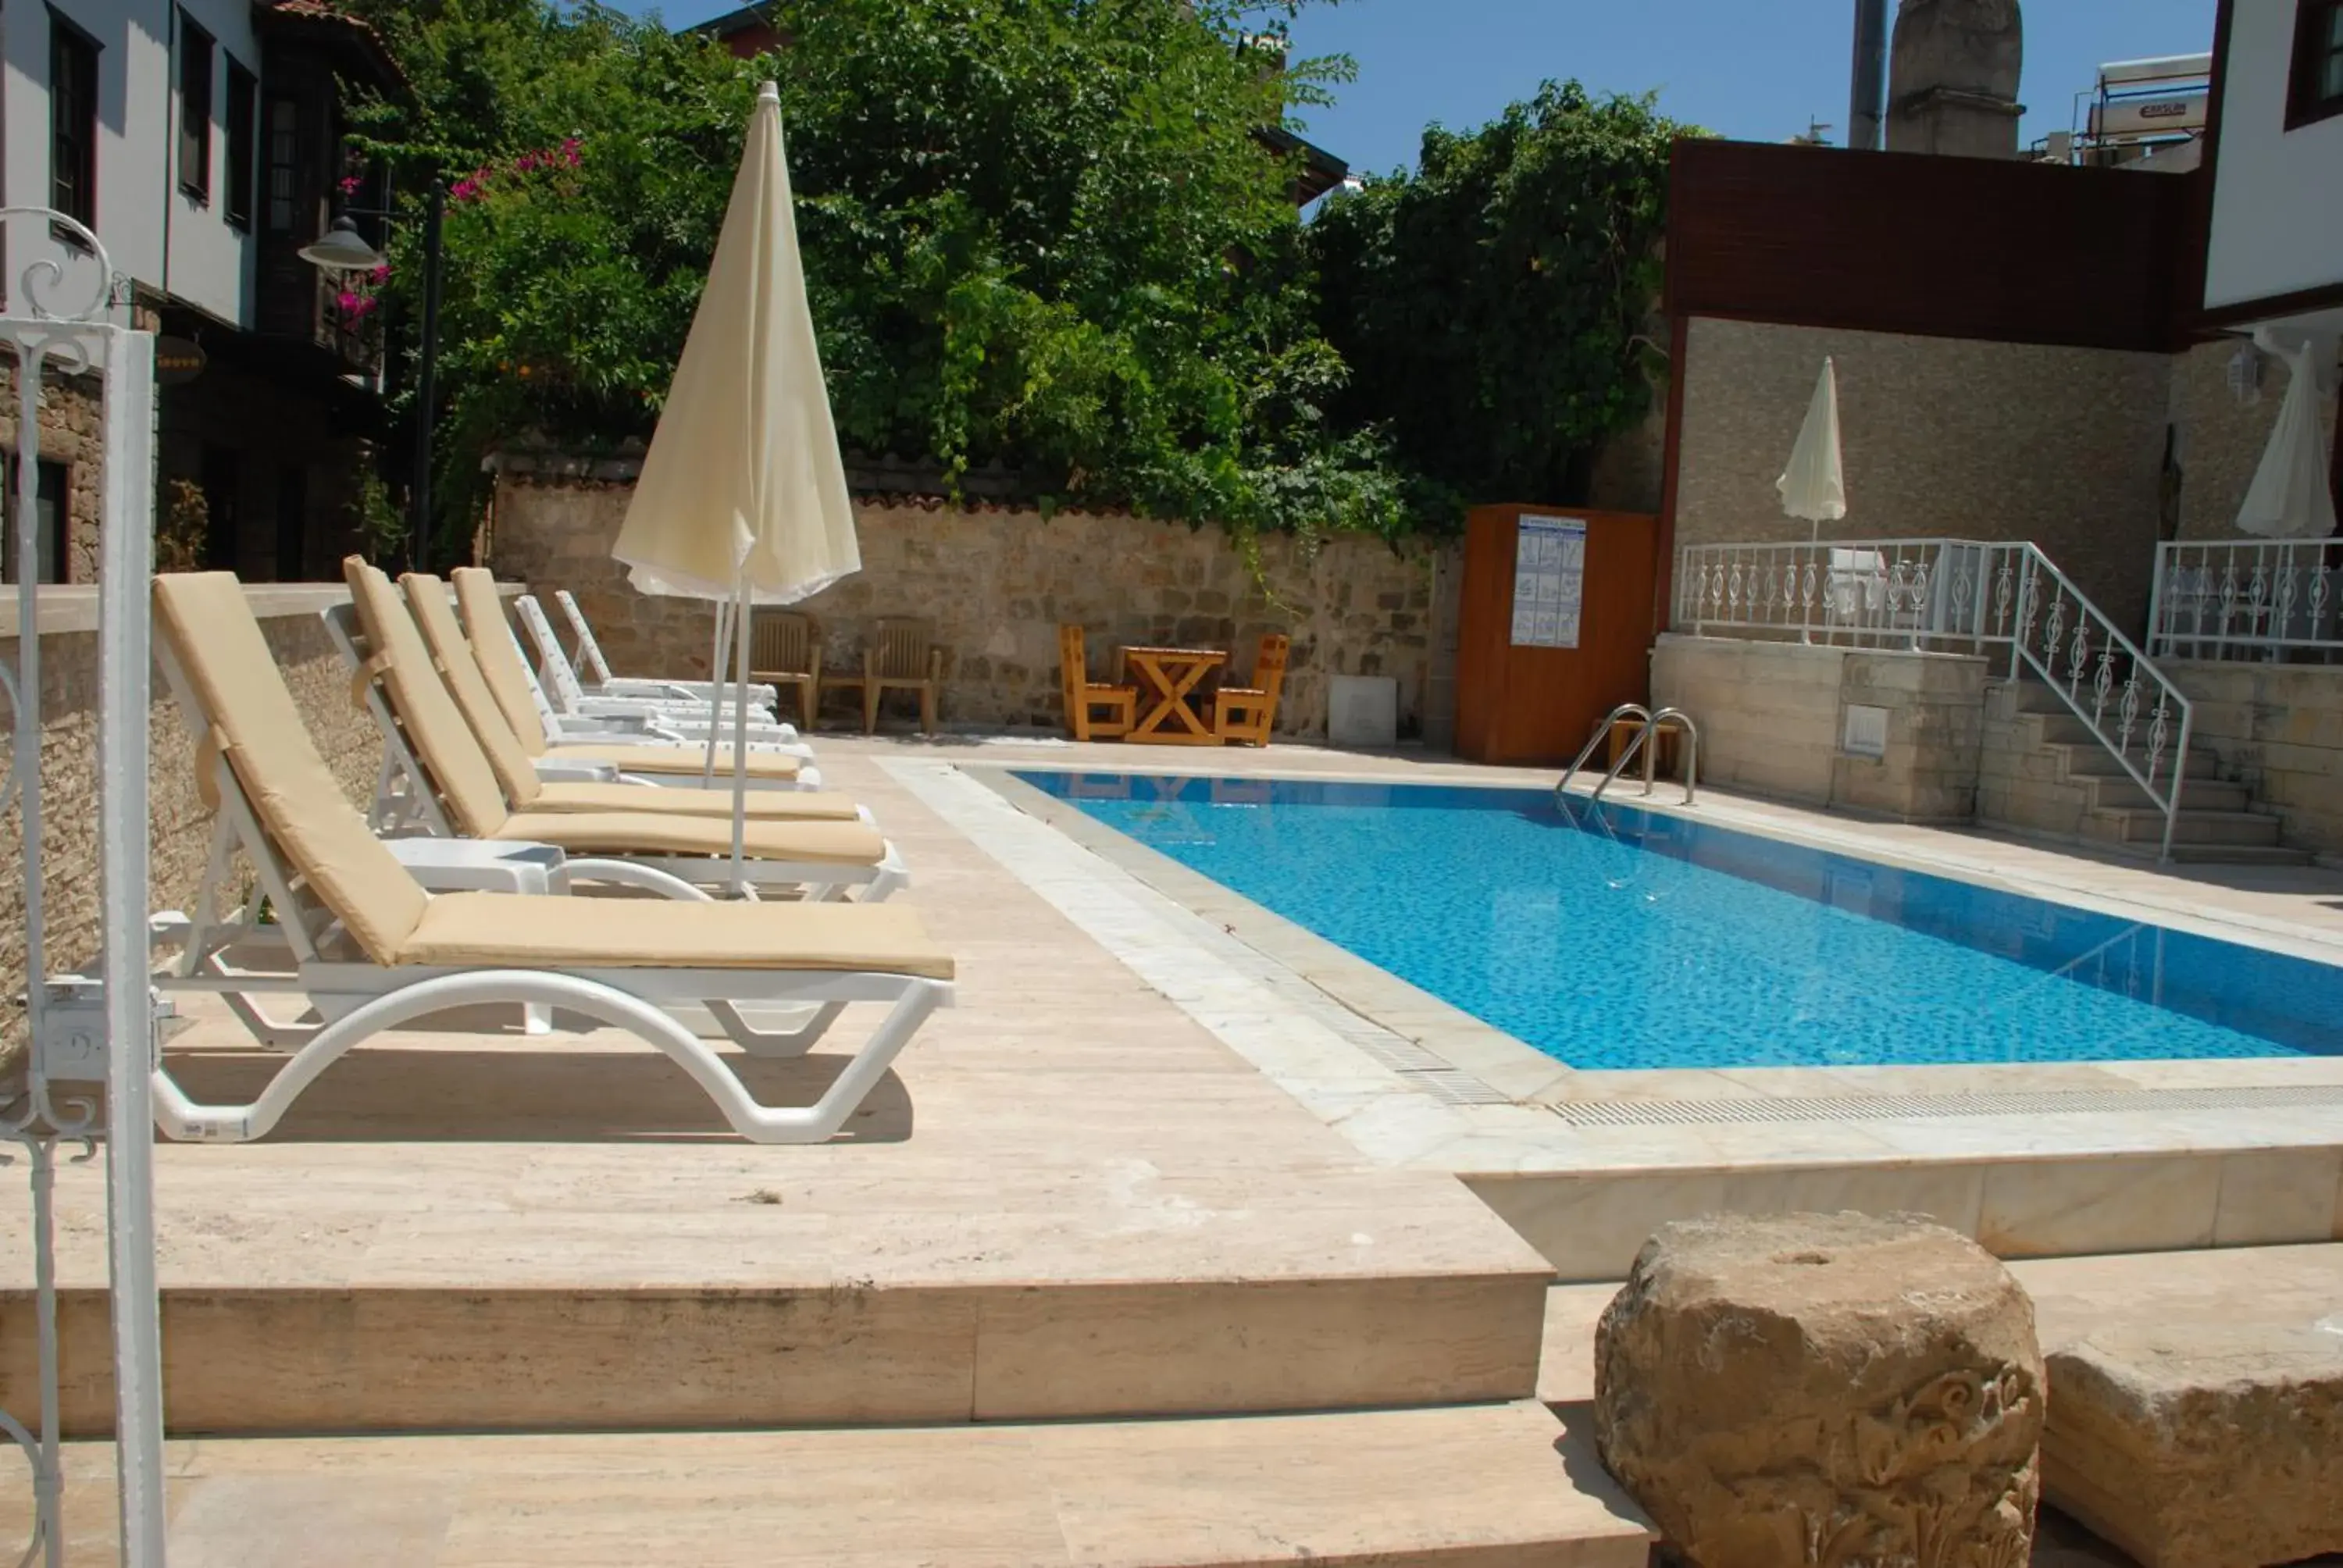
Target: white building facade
202 141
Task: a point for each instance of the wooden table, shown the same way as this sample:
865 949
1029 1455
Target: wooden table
1165 676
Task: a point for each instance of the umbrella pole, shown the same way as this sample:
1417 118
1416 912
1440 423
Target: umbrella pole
716 709
739 740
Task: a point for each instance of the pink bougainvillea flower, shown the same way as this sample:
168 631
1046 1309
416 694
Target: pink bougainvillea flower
379 275
350 184
464 190
524 163
347 302
569 151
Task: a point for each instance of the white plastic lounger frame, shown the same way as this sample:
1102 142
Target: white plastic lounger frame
660 697
598 670
406 801
552 765
641 726
355 1000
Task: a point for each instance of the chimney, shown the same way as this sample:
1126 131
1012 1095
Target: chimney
1869 80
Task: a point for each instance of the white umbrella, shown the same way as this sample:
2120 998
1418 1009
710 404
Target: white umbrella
2289 498
742 498
1813 485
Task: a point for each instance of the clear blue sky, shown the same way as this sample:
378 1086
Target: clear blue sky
1752 69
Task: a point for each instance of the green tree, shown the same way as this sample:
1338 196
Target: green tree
1488 304
1040 233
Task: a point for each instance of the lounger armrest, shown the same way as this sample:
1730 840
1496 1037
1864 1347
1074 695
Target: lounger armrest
550 770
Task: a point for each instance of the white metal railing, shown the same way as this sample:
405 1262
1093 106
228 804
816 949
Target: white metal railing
1948 596
1935 595
2248 598
84 1038
2130 707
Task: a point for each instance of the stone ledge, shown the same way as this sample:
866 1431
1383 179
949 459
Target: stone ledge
61 607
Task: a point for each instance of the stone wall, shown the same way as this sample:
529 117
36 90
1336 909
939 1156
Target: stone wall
2277 728
1772 718
180 828
1941 436
72 433
997 583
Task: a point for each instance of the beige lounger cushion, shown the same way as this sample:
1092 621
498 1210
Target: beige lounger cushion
471 930
485 777
452 652
678 760
764 805
435 728
211 634
491 638
640 833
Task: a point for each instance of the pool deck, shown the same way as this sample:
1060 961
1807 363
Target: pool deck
2062 1158
1154 1164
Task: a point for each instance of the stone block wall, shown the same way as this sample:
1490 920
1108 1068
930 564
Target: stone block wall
179 827
1772 718
2277 729
997 584
1940 436
72 433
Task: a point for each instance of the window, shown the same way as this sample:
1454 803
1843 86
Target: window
73 122
50 514
284 164
243 104
195 109
2317 91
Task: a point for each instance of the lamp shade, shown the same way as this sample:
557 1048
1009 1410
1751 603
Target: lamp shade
341 248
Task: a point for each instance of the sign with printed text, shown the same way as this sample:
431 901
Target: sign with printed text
1549 582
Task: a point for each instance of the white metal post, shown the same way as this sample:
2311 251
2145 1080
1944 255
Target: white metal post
125 674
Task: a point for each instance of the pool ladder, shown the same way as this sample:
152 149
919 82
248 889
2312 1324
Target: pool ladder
1643 742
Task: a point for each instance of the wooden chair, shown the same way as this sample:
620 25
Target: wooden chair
1082 693
784 649
1244 713
900 655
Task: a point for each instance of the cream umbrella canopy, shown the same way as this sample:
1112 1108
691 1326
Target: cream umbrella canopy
742 497
2289 498
1813 486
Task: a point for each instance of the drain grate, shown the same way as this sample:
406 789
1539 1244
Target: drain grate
1426 1070
1891 1106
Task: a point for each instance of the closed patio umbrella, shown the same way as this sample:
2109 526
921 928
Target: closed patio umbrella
2289 498
1813 486
742 498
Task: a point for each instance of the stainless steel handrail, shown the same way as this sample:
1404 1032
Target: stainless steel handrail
1602 728
1691 750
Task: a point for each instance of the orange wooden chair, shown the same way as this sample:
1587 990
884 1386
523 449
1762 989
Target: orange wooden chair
1082 694
1244 713
785 650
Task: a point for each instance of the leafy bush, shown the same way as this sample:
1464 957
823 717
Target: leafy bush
1488 304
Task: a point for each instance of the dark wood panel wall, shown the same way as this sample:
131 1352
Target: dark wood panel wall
1938 246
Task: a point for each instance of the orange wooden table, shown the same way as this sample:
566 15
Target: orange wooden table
1165 676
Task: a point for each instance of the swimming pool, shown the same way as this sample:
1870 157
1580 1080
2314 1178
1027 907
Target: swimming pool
1619 937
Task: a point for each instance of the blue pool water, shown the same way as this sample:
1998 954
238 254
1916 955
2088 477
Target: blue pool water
1635 938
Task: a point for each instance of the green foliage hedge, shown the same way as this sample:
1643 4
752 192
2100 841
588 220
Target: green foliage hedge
1039 234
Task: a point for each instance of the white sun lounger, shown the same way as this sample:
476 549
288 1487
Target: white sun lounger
443 781
518 690
690 718
353 933
658 767
594 671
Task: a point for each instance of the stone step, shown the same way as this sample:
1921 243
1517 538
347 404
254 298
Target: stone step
502 1356
1501 1483
2156 1174
2120 791
2069 737
2200 829
2071 1297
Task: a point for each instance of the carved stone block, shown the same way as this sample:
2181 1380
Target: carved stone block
1824 1389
